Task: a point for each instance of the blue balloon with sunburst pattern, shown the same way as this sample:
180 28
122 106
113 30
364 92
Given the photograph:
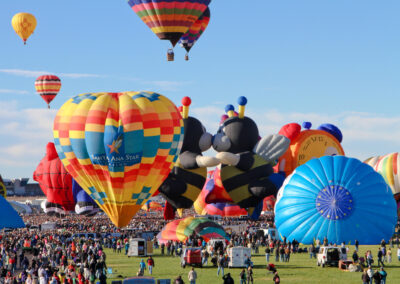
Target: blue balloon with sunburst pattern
336 197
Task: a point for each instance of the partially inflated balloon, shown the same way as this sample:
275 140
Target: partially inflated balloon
182 229
169 19
24 24
48 87
55 182
119 147
195 31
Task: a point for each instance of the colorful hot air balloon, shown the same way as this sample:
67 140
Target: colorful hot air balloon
48 87
388 166
24 24
182 229
3 189
119 147
169 20
55 182
309 144
338 198
195 31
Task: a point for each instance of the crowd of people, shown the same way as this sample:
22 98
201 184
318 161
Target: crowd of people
34 256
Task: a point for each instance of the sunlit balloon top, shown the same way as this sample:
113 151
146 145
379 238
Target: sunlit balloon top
335 197
119 147
169 19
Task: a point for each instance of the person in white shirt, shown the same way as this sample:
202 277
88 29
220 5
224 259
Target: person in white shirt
398 253
192 276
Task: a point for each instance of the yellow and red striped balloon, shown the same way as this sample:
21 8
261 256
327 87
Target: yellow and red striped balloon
119 147
48 87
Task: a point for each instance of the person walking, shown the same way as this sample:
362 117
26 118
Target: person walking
398 253
356 244
370 273
277 254
365 278
221 263
243 276
389 255
380 257
142 267
150 264
267 253
250 275
192 276
383 274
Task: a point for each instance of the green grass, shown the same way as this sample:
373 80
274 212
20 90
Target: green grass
300 269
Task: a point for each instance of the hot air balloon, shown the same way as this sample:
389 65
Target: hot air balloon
55 182
335 197
169 20
309 144
182 229
3 189
9 218
48 87
24 24
84 204
195 31
388 166
119 147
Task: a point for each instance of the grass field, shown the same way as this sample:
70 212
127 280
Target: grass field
300 269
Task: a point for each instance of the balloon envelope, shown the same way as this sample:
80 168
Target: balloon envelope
169 19
9 218
48 87
182 229
85 205
388 166
195 31
3 189
335 197
24 24
119 147
55 182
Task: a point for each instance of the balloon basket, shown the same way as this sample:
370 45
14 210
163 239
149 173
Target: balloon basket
187 57
170 55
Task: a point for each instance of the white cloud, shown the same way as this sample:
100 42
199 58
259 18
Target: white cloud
17 92
35 73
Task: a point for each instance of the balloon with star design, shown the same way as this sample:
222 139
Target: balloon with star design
335 197
119 147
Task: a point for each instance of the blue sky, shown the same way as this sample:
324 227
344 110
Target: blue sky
319 61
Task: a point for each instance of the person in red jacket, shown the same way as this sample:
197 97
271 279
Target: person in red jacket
150 264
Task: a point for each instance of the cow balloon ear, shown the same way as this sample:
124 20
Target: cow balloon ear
205 141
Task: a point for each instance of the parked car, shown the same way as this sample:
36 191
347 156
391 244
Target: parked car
328 256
